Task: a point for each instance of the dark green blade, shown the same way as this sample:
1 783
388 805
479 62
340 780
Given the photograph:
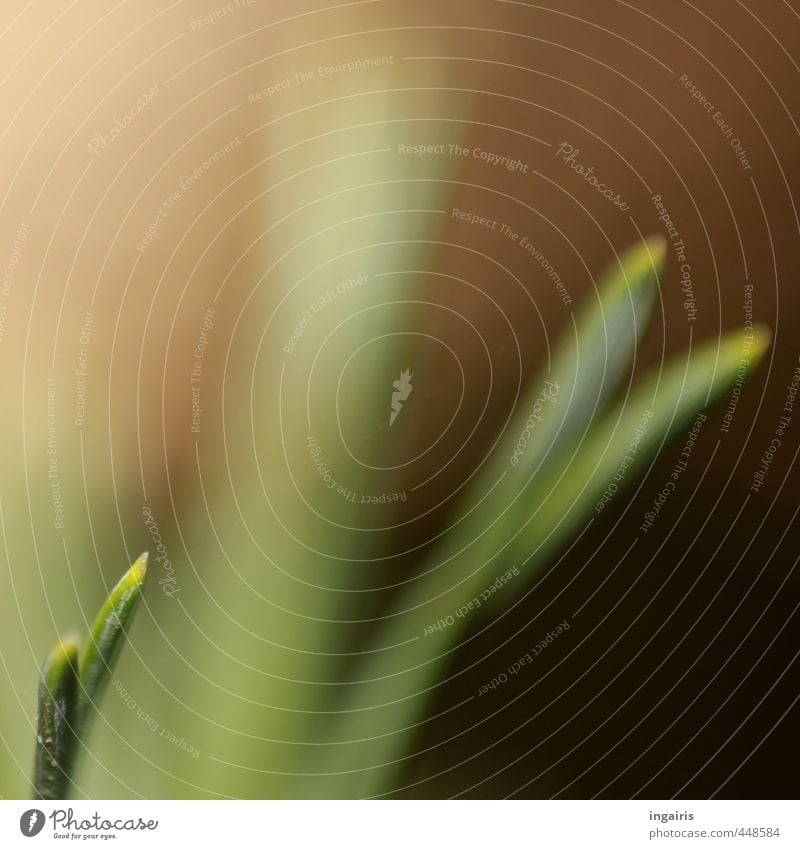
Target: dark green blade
55 736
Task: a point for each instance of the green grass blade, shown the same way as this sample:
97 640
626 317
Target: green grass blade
588 362
70 686
398 683
55 738
107 635
664 403
587 365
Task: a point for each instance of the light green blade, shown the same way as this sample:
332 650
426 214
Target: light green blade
588 364
589 360
632 432
107 636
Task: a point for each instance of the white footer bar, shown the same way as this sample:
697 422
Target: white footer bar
403 824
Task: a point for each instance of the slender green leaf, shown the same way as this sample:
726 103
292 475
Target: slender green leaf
625 438
587 364
106 637
58 700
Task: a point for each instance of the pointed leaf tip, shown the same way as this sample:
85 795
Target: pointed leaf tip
637 268
656 247
762 339
62 657
108 635
138 571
